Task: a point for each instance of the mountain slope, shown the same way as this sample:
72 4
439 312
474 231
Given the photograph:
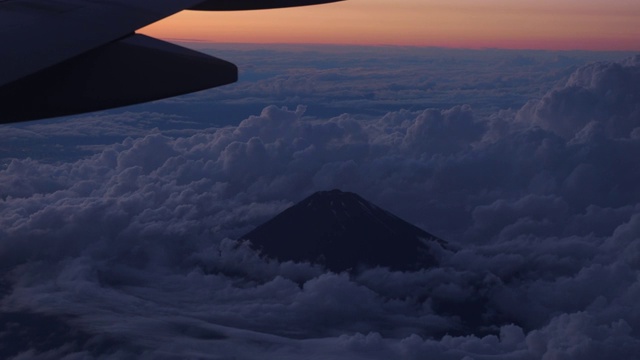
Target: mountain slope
342 231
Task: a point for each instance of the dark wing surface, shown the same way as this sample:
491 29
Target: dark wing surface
63 57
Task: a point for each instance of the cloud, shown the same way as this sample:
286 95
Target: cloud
599 94
132 246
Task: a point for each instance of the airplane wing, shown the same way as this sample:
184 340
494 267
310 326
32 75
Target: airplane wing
63 57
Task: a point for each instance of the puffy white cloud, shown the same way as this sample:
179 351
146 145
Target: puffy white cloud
603 93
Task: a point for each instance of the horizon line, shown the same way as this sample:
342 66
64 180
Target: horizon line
383 45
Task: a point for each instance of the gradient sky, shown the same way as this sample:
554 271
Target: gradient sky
528 24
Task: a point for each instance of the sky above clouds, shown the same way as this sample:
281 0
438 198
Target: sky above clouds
560 24
117 228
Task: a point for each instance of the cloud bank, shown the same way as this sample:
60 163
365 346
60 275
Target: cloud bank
129 252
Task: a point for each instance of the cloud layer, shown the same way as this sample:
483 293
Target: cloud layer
131 248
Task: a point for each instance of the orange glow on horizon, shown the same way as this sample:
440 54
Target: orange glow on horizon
542 24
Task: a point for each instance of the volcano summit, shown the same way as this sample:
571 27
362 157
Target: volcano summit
343 231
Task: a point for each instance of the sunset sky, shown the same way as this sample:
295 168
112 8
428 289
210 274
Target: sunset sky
541 24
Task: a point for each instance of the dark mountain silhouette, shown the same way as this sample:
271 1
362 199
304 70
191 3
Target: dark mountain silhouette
342 231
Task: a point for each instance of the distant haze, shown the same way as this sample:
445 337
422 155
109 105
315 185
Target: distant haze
558 25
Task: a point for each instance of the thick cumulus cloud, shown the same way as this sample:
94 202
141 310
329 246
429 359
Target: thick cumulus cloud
598 99
128 253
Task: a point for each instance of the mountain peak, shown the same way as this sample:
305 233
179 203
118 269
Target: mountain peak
342 231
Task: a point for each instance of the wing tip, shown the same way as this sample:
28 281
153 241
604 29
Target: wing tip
238 5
